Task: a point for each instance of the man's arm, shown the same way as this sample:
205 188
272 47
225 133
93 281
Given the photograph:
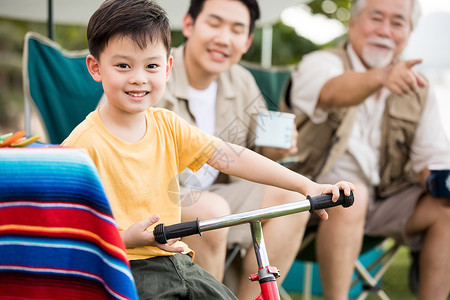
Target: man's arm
352 88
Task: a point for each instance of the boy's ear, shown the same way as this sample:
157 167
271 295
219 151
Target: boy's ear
93 68
169 67
188 23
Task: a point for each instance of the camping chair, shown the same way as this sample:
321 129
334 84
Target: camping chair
58 238
272 83
275 85
377 254
58 85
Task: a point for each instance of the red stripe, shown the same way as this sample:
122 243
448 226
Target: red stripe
17 285
64 218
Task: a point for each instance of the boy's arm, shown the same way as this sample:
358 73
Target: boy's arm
244 163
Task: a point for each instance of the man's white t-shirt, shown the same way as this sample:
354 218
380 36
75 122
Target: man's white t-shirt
202 104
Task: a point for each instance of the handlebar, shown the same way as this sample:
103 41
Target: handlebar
163 233
324 201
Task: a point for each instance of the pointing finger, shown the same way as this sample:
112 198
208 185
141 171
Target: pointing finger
412 62
420 81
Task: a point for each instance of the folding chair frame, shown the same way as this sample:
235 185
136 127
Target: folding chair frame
370 282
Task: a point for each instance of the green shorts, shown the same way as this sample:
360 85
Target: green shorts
175 277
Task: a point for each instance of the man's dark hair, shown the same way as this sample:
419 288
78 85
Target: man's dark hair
139 20
197 5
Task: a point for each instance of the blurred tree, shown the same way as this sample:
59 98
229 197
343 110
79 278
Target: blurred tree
12 34
287 50
330 8
287 46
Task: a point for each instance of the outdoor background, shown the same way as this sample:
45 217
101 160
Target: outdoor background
289 49
300 30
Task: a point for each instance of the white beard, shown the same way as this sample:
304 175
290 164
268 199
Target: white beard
376 58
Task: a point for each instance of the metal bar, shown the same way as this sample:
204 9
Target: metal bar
50 19
254 215
259 245
307 281
266 49
27 109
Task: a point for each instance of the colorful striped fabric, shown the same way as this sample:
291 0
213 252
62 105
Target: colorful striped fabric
58 238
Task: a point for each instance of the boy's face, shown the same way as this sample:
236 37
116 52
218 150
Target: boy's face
220 35
133 79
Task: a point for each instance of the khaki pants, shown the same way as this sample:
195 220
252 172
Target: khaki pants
388 217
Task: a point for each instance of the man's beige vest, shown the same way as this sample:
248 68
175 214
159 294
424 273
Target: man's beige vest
321 145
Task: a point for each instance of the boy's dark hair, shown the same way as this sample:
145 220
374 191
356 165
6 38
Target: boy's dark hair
197 5
140 20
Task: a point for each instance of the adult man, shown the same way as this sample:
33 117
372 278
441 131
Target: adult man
209 89
380 128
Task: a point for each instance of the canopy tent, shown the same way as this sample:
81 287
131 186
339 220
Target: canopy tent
78 12
69 12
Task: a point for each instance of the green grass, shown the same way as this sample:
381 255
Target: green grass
394 282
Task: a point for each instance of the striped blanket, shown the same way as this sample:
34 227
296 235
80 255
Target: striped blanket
58 239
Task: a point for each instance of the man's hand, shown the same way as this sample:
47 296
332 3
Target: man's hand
280 153
138 235
402 79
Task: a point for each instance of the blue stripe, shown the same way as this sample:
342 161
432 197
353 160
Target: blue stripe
67 254
54 177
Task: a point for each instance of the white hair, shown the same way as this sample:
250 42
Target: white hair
358 5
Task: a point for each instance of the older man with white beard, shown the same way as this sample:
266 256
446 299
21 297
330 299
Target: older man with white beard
364 115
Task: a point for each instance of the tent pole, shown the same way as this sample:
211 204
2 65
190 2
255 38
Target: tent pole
50 33
266 49
27 109
50 20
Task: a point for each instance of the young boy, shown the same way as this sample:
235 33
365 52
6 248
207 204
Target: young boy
139 150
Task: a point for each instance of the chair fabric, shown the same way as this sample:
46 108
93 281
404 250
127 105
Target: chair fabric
58 238
57 83
308 253
366 276
272 82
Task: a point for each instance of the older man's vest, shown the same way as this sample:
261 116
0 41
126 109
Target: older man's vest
321 145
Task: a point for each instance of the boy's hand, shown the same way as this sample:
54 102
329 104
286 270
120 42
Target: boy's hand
137 235
346 186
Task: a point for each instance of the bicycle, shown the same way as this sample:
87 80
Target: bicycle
266 275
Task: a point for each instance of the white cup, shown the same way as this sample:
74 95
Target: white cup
274 129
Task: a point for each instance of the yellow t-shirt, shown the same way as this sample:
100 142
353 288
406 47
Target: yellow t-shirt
141 179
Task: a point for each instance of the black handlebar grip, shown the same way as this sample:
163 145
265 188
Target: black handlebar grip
324 201
164 233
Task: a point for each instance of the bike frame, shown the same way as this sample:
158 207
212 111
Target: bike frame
266 274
